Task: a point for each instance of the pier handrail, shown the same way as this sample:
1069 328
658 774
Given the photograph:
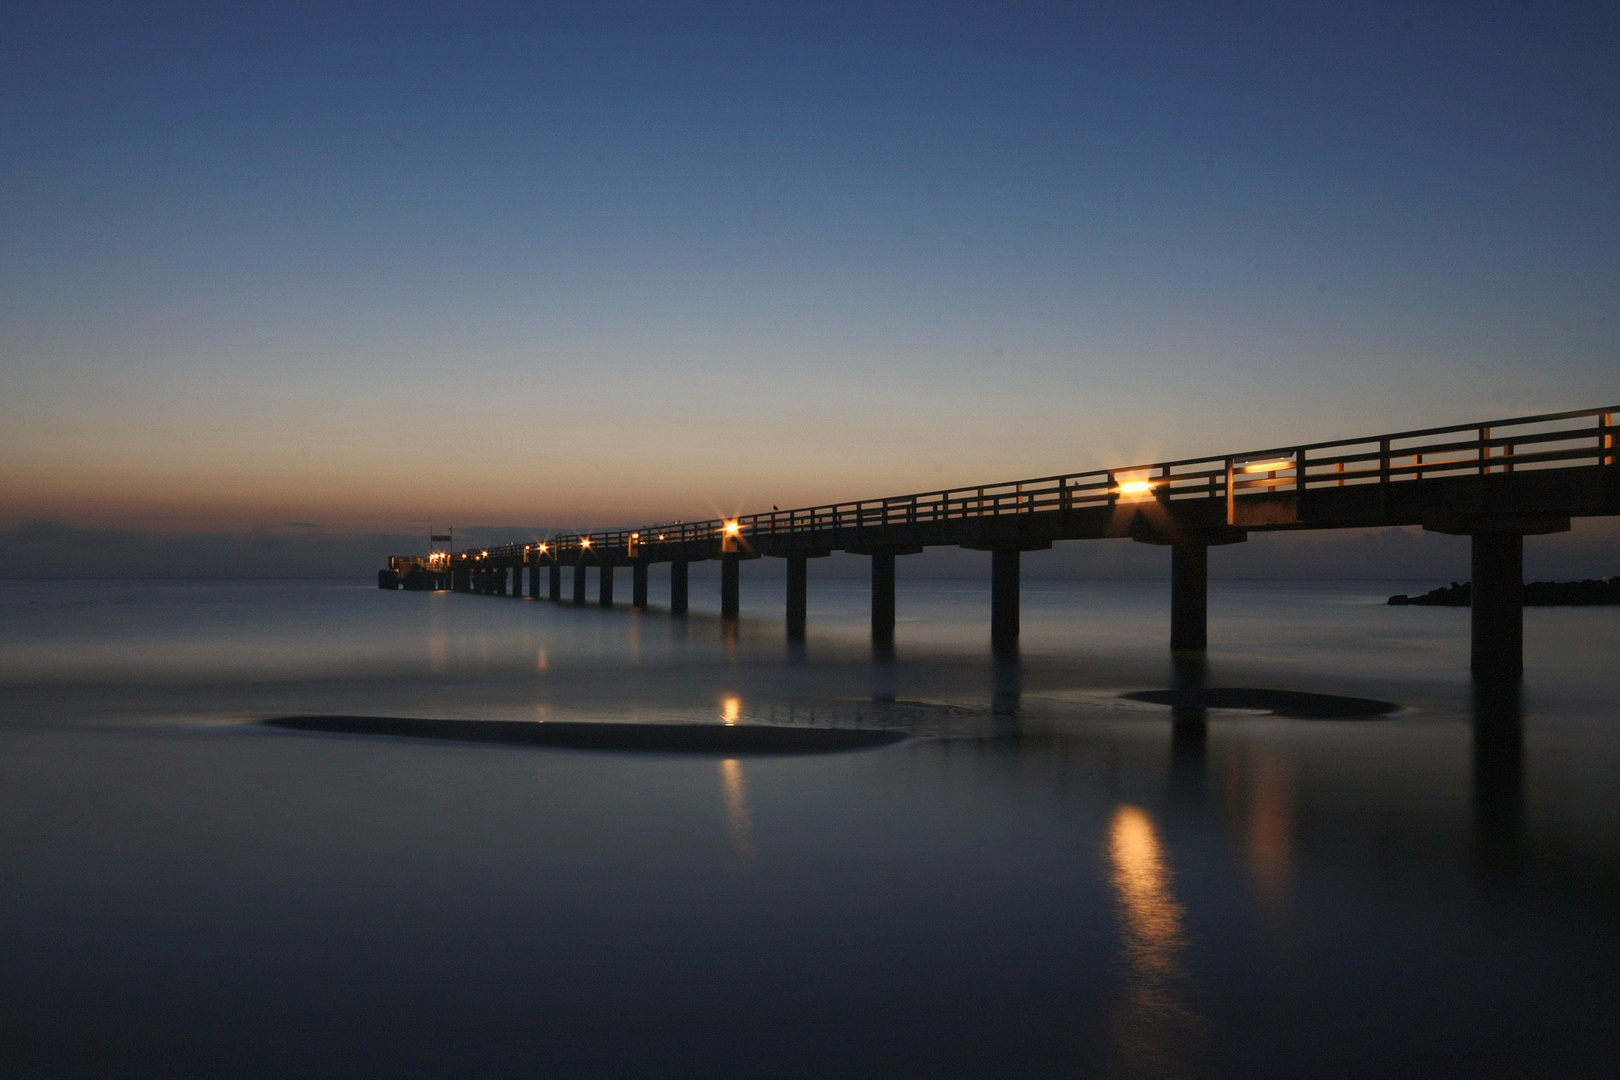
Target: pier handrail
1493 446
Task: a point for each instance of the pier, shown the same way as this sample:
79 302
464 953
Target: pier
1496 482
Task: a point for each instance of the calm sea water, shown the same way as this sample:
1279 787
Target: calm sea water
1048 880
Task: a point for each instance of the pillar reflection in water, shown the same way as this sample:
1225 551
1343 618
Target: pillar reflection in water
438 637
1189 726
735 792
1498 774
1155 1032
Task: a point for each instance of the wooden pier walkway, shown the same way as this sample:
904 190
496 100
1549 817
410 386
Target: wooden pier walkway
1497 482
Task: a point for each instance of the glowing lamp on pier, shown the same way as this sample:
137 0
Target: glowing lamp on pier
1134 489
584 541
732 528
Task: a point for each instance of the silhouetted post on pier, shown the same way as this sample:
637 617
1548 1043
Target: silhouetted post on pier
604 585
638 585
534 577
555 583
579 584
1189 595
730 590
678 579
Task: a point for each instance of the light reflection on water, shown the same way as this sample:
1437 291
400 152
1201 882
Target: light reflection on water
736 795
1101 885
1156 1029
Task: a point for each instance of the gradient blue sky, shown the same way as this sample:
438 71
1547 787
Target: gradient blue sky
373 266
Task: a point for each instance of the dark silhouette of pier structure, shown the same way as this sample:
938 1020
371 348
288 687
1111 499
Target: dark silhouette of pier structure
1496 482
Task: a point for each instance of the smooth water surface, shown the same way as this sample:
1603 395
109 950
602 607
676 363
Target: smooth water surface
1046 879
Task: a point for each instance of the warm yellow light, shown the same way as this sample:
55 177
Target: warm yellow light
584 541
1136 487
542 548
730 710
732 528
1268 466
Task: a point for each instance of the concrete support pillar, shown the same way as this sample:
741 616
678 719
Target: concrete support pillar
534 579
638 585
1189 596
554 585
798 576
1004 566
579 584
517 581
1498 605
604 593
730 591
500 581
883 600
677 587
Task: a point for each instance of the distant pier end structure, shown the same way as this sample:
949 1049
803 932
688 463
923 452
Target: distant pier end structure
421 573
1495 482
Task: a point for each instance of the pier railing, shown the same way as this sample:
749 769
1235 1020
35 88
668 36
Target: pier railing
1517 444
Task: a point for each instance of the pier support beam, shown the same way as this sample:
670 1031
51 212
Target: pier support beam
604 582
534 579
1189 574
1004 589
883 600
638 585
798 581
1005 568
678 577
730 590
1498 603
555 582
1497 592
1189 596
883 587
579 584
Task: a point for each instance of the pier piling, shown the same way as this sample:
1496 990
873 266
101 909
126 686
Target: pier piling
1498 605
678 578
1004 585
883 599
1189 596
730 590
797 595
